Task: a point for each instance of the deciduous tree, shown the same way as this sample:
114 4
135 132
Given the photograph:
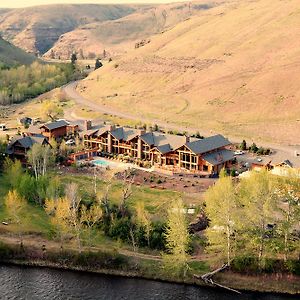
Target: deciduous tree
51 110
90 217
177 240
40 158
14 205
288 207
221 209
258 200
143 219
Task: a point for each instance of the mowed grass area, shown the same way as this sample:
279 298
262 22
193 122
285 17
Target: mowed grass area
155 201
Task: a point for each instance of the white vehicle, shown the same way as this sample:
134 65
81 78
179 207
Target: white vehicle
239 152
259 159
2 127
70 142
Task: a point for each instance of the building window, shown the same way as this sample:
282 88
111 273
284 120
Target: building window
188 161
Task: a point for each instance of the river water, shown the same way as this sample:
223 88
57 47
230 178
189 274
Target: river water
43 283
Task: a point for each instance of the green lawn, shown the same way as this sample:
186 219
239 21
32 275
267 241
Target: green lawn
34 219
155 200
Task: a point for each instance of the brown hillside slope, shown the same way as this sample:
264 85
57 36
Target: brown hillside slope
234 69
37 28
117 36
11 55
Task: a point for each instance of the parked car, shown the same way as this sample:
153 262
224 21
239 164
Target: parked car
259 159
239 152
70 142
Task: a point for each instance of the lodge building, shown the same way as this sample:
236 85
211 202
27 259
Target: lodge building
165 151
19 146
57 130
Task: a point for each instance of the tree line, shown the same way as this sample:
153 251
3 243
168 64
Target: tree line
255 221
23 82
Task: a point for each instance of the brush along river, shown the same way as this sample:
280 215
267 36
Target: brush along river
18 282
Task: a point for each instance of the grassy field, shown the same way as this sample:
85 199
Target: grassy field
155 200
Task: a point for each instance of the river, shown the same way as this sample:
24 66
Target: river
44 283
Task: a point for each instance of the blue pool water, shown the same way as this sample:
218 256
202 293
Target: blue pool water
101 163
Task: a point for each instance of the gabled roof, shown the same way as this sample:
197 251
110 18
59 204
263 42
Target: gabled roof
148 138
55 125
164 149
158 139
130 134
27 141
208 144
125 134
218 157
96 130
118 133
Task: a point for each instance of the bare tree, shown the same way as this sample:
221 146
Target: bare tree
74 211
128 180
40 158
90 217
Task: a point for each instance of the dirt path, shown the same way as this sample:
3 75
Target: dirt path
38 242
283 151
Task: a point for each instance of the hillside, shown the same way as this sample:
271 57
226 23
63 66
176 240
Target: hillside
36 29
119 36
232 69
11 55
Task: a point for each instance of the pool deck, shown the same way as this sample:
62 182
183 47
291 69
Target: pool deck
115 164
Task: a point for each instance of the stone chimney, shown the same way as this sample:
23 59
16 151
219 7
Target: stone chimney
141 131
140 143
87 124
187 139
110 127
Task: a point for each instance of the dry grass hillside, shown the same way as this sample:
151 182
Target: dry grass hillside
11 55
232 69
118 36
36 29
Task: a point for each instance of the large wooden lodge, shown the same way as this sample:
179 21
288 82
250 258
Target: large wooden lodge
165 151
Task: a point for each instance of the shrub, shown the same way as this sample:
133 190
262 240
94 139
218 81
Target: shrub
293 266
157 237
253 148
245 263
120 229
243 145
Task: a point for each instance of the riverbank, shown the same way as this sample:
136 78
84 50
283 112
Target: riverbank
114 263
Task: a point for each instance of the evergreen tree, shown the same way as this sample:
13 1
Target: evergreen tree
253 148
243 145
98 64
73 58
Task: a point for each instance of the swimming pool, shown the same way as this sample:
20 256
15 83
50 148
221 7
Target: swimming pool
102 163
